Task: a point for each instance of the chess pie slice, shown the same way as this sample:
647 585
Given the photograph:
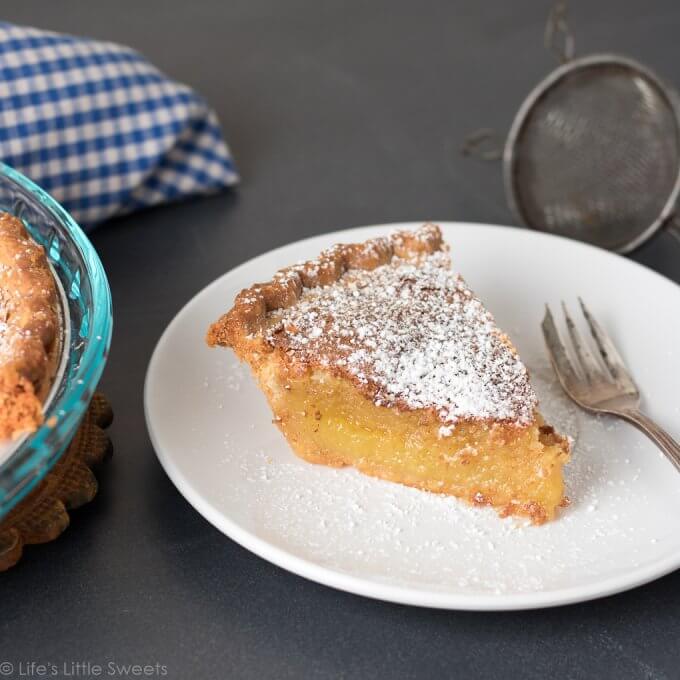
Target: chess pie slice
29 329
377 355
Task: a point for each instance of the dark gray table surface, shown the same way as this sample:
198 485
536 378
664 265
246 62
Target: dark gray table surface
339 114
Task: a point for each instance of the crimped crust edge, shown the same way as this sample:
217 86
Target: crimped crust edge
248 315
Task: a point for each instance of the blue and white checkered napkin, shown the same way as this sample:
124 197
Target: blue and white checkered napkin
101 129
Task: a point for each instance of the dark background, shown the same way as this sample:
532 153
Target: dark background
339 114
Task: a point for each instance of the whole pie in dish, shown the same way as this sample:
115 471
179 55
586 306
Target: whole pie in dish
29 329
377 355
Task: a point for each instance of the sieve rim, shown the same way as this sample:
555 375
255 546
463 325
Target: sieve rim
509 150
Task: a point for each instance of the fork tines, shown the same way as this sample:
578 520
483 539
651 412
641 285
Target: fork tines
585 367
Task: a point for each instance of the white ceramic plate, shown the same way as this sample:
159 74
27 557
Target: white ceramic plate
212 431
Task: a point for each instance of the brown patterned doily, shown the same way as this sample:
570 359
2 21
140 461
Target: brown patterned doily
43 514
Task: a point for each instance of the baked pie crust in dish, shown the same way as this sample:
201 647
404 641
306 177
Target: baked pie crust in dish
29 329
377 355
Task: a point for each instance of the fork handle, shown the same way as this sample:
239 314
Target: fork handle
658 435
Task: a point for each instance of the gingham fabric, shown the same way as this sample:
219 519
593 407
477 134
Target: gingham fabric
101 129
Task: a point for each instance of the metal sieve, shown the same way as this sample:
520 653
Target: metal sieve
594 151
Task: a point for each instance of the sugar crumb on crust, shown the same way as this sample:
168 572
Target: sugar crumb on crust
533 510
391 316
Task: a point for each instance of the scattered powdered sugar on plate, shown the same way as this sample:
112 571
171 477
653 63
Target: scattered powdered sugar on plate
227 378
393 534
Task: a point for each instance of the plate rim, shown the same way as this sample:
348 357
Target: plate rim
376 590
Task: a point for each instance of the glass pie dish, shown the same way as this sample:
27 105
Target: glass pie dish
87 324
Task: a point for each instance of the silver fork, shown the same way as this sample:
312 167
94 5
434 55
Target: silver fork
601 388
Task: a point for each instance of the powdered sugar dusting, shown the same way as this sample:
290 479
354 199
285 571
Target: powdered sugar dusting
411 334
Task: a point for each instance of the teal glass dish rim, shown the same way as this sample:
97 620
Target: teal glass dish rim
36 455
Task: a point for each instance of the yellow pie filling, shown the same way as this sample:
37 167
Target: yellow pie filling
517 470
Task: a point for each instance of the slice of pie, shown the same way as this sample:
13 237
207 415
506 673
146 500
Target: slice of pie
29 329
377 355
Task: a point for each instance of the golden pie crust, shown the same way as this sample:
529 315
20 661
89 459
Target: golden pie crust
29 329
378 356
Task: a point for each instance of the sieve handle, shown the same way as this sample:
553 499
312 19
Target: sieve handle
484 144
558 38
